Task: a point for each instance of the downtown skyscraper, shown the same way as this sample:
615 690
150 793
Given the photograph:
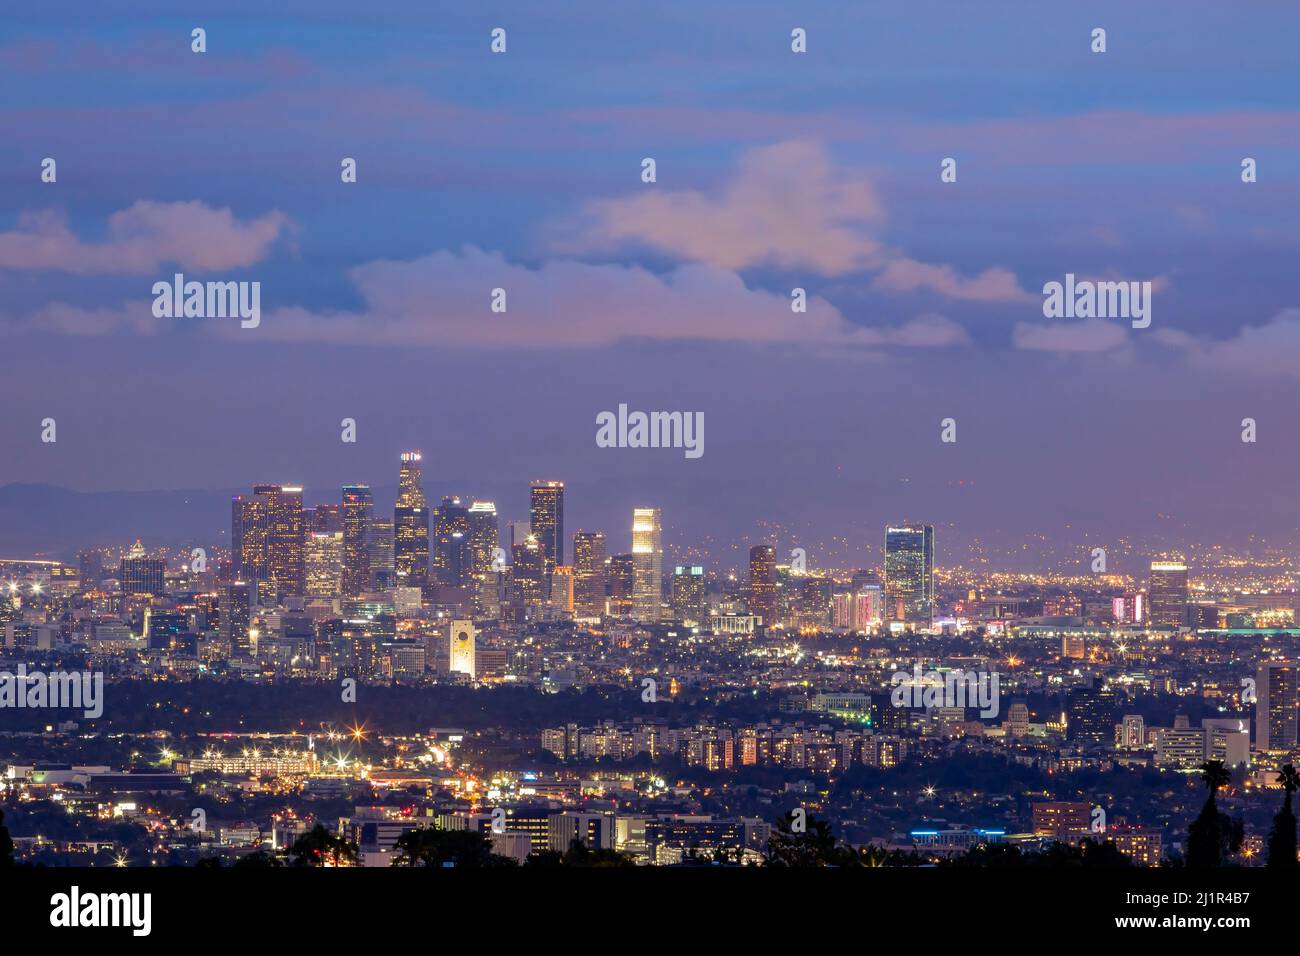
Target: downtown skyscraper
589 573
648 564
909 574
762 583
411 525
546 519
268 537
358 515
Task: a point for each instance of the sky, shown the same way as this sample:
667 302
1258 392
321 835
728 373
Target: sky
522 170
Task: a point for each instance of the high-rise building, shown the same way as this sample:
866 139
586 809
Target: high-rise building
268 537
324 564
589 575
140 574
453 537
648 555
528 566
460 652
236 609
484 537
1167 593
562 588
411 525
909 574
382 568
1090 716
90 569
1276 702
762 583
358 514
688 595
621 574
546 514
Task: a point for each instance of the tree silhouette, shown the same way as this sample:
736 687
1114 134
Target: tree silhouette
1281 839
6 844
319 847
815 846
431 846
1207 835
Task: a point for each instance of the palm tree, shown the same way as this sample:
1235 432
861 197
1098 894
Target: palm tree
1281 839
1205 837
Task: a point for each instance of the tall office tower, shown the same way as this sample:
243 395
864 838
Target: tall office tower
382 571
762 583
484 537
326 519
562 587
236 609
546 517
268 536
528 565
358 513
90 569
909 574
688 595
140 574
1090 716
648 553
460 651
285 536
411 525
1167 593
453 537
324 564
1276 701
589 574
621 574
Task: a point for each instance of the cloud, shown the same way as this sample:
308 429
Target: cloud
1070 336
788 206
1271 348
443 300
991 285
141 239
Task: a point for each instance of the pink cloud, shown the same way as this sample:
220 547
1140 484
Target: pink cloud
991 285
141 239
1083 336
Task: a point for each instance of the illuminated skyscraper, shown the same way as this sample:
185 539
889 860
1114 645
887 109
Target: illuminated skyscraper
1167 593
546 516
358 513
460 651
589 574
562 587
528 565
648 555
762 583
453 538
268 537
1276 701
382 570
484 536
909 574
236 609
411 525
140 574
324 564
688 595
